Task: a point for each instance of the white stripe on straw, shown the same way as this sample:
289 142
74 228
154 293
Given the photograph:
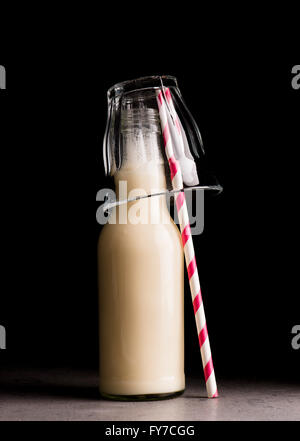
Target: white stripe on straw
189 251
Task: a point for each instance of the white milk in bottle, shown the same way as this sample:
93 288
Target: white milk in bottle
141 276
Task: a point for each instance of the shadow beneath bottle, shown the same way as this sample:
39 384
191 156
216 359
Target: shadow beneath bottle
56 385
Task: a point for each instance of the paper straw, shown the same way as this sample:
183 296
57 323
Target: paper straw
187 241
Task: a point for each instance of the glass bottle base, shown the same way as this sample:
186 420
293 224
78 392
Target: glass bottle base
148 397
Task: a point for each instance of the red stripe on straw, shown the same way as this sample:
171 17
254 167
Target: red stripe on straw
197 302
170 101
208 369
192 268
166 134
173 167
216 394
203 336
186 234
160 98
180 201
168 94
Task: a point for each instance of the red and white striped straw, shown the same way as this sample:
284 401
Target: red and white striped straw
187 240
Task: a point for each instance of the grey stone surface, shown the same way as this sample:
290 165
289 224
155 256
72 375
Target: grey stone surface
68 395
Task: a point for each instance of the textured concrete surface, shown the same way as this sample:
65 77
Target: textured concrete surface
68 395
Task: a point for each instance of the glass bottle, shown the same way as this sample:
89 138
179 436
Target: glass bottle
141 273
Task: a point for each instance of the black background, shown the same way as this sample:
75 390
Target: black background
53 116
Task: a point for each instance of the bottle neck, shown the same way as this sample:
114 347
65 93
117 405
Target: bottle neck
141 138
142 165
142 171
142 182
